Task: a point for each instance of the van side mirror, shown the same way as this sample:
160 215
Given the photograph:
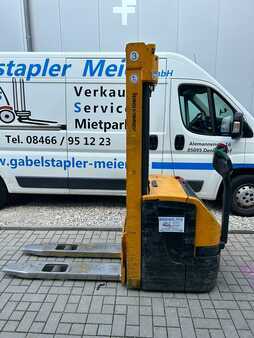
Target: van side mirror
237 125
221 161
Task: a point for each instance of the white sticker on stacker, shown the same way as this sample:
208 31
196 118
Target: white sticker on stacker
171 224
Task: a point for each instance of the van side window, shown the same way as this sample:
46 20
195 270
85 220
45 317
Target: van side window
195 108
204 111
224 115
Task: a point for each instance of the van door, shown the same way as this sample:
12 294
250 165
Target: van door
159 122
96 127
95 90
200 119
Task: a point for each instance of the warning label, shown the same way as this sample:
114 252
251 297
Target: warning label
171 224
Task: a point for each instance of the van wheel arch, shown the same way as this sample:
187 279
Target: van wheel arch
242 188
3 193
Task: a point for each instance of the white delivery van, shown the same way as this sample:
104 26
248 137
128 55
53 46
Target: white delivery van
62 126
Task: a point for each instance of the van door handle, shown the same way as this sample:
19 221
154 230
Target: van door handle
179 142
153 142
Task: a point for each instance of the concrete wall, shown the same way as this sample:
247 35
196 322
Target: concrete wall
217 34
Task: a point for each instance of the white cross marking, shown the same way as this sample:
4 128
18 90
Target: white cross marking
128 7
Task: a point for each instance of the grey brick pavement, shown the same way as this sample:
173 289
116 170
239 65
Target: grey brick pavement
87 309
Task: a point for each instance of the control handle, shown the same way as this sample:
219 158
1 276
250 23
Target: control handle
223 165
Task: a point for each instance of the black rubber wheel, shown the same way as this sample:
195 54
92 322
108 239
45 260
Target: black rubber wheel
243 195
3 194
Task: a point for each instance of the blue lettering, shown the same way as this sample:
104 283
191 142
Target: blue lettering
66 164
2 68
78 164
47 163
121 165
109 164
111 70
77 108
59 163
20 70
84 164
54 70
73 162
45 67
121 69
2 162
163 73
90 71
65 67
13 163
33 70
10 65
29 161
37 163
21 162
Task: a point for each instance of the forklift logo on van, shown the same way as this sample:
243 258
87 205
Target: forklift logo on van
18 111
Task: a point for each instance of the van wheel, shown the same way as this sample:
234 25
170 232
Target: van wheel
3 194
243 195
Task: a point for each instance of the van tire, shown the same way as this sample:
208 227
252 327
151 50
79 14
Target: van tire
3 194
243 195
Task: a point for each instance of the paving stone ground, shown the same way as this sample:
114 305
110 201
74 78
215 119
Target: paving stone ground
36 308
